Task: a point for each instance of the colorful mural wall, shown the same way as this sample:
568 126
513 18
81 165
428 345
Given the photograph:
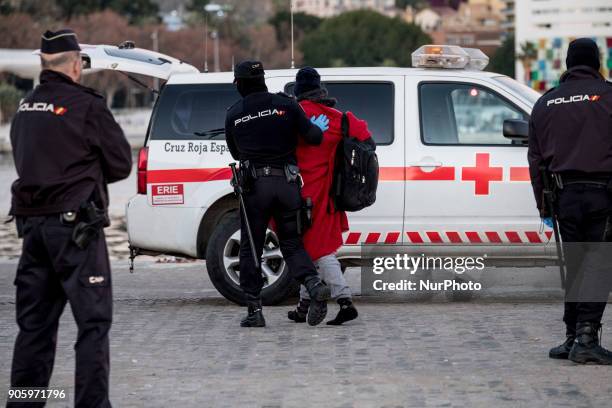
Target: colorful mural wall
545 70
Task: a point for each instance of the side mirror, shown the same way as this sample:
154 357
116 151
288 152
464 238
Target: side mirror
517 130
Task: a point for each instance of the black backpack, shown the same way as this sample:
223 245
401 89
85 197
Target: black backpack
355 172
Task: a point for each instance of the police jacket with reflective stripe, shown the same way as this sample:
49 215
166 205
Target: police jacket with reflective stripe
571 127
264 128
66 147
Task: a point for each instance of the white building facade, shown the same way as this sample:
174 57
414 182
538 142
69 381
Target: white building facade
549 26
329 8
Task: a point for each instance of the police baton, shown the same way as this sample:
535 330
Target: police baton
236 183
550 206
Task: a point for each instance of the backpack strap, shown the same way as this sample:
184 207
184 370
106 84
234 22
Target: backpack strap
344 126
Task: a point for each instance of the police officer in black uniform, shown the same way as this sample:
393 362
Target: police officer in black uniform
66 147
571 136
262 131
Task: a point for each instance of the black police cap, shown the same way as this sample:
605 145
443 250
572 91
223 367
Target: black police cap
59 41
248 70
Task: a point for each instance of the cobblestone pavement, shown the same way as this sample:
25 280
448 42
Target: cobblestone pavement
176 343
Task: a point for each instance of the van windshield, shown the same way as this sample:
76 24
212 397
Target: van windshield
522 90
193 111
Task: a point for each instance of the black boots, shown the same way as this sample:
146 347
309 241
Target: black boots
319 293
347 312
254 317
299 314
562 352
586 348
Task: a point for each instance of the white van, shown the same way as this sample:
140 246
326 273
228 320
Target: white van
450 182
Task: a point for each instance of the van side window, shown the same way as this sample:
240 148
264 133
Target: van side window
187 112
464 114
370 101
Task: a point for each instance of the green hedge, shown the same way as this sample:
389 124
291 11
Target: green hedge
9 101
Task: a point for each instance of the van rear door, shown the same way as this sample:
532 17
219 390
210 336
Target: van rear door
132 60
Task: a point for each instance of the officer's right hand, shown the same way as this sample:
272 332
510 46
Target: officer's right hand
322 122
548 221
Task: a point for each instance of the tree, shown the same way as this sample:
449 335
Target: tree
302 23
6 7
502 61
9 101
19 30
197 5
402 4
362 38
105 27
134 10
70 8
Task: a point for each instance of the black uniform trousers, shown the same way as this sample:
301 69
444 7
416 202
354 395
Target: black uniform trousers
52 271
272 197
583 213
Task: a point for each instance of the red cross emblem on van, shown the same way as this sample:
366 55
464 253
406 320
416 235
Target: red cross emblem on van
482 174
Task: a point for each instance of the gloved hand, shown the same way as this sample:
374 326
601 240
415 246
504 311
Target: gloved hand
548 221
322 122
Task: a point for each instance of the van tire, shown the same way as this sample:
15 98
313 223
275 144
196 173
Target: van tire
227 227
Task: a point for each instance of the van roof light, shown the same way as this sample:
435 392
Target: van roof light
478 59
449 57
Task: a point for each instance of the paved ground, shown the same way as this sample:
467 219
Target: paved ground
175 343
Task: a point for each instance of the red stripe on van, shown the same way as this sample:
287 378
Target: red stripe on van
392 238
473 237
513 237
188 175
434 237
414 237
533 237
519 174
412 173
454 237
372 238
352 238
392 174
440 174
493 236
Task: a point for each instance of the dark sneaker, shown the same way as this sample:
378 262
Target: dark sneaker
319 294
347 312
299 314
586 348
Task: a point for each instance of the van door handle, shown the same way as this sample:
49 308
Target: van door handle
426 163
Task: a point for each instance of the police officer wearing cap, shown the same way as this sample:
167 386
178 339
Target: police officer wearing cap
262 131
66 147
570 135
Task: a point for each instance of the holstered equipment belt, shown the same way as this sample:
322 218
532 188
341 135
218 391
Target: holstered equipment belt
598 180
268 171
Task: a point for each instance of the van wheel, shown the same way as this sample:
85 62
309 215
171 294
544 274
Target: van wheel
223 265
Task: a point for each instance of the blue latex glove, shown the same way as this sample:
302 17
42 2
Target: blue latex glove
548 221
322 122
